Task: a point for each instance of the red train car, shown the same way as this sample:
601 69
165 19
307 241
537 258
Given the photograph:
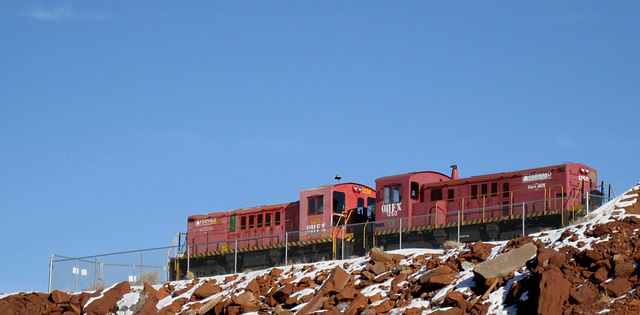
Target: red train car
444 198
323 210
218 231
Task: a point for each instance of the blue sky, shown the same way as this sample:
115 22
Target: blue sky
120 119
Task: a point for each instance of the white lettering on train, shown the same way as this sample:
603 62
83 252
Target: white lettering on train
315 227
536 176
392 209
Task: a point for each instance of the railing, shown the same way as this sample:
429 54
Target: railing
154 265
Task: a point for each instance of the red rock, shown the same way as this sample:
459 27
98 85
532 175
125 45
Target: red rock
382 277
624 269
230 278
336 281
378 255
276 272
311 306
550 256
441 270
384 306
378 268
358 303
210 305
402 276
233 310
162 293
107 302
246 297
375 298
59 297
206 290
348 293
554 292
172 308
449 311
150 302
585 293
455 299
25 304
601 275
618 287
440 281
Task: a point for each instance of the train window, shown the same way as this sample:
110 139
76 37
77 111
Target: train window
505 190
494 189
415 191
474 191
243 222
251 221
436 194
316 205
484 189
277 219
371 208
267 219
338 202
232 223
259 220
451 194
392 194
360 208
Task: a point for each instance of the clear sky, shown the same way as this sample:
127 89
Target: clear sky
119 119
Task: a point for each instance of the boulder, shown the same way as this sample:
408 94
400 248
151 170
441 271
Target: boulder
554 291
338 278
206 290
504 264
618 287
107 303
59 297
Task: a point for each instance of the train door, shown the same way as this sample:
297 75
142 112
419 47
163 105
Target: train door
315 225
338 215
494 203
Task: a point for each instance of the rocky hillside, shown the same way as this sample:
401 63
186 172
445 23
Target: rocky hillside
587 268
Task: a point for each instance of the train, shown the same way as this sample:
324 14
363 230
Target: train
418 209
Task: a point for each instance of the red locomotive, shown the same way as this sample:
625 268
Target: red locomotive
483 203
307 227
414 209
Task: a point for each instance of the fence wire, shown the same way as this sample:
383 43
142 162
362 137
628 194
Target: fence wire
155 265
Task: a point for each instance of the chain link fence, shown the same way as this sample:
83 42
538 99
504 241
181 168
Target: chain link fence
97 272
179 261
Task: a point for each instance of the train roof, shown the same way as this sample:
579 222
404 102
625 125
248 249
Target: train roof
401 176
334 185
496 176
245 210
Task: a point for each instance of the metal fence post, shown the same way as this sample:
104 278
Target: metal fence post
141 264
95 273
587 202
235 258
188 258
286 248
400 232
77 271
458 226
51 273
523 216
